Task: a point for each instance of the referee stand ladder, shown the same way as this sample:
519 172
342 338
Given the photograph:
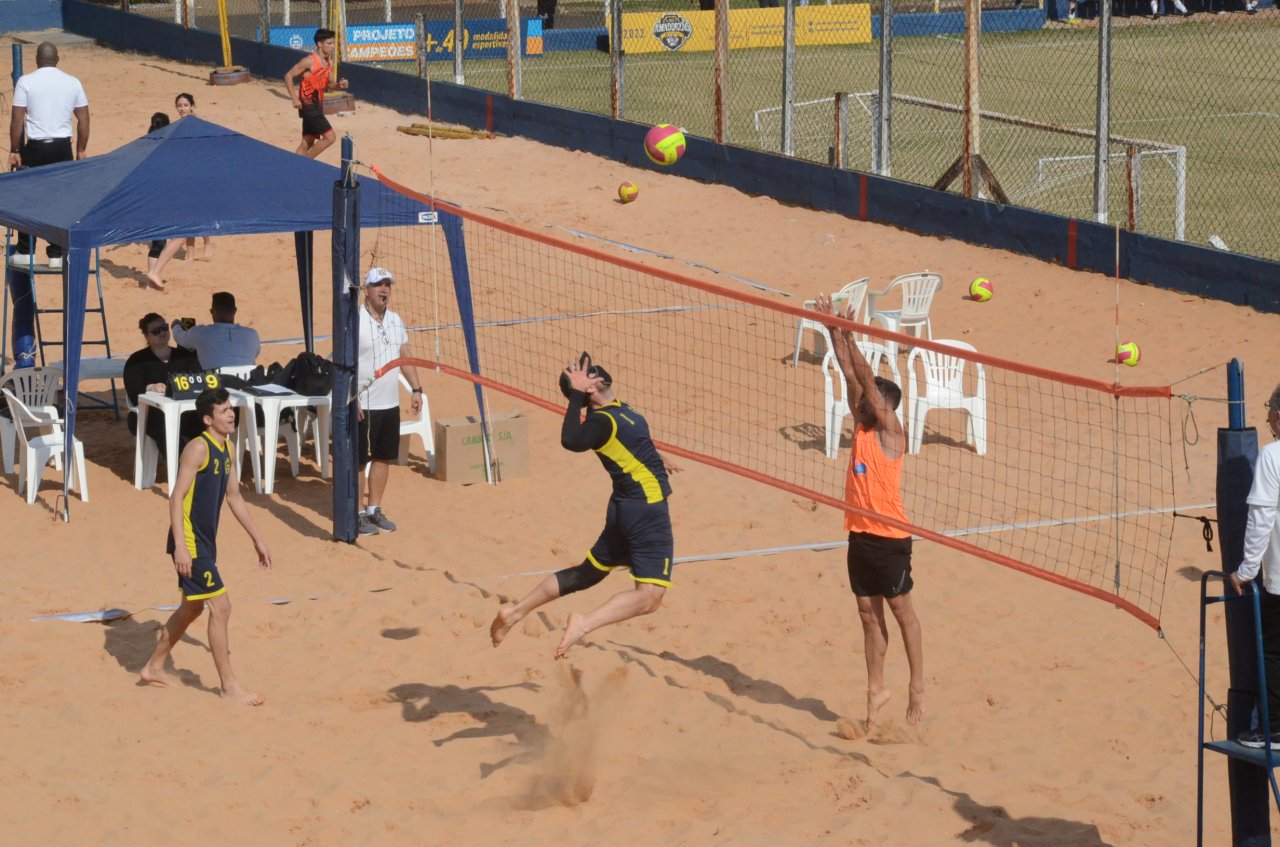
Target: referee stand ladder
17 289
1265 757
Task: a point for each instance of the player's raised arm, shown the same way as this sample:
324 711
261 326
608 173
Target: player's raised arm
845 349
576 434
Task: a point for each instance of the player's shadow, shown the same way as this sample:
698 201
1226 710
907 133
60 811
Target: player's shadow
297 498
118 271
806 436
993 825
420 702
740 684
130 643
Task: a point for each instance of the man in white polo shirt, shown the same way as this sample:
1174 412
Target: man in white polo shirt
382 340
44 102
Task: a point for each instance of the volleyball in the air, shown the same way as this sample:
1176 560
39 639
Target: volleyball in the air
981 289
664 144
1128 354
628 191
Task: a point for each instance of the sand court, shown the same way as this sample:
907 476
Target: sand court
1051 718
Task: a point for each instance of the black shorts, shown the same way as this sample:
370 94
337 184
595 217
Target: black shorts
636 535
879 566
314 123
379 435
204 582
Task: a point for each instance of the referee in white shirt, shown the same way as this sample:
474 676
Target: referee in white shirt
44 101
1262 553
382 337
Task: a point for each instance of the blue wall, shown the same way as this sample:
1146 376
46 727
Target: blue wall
1079 244
30 15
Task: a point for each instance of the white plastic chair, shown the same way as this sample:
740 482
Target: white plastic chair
421 427
37 388
944 388
912 317
851 295
39 450
837 408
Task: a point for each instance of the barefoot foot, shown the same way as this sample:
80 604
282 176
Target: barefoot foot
915 706
240 695
154 281
574 631
502 623
876 698
157 676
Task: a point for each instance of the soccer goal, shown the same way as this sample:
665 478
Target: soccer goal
1040 165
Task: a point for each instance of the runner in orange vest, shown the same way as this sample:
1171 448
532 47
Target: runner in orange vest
308 96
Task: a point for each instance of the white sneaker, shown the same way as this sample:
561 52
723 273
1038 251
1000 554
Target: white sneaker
55 263
20 260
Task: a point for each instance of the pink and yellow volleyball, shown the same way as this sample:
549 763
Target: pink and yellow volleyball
1128 353
664 144
981 289
628 191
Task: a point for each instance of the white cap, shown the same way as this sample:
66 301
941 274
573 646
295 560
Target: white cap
376 275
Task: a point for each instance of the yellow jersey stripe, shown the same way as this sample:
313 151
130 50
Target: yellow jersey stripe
615 452
188 532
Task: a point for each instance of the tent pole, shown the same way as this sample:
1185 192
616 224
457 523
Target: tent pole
304 248
346 336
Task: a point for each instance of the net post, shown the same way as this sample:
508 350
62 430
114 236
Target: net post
1102 137
617 69
420 34
346 335
459 45
722 72
1237 452
17 63
882 133
788 77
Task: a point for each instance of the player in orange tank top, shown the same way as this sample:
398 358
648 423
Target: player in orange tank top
879 557
308 97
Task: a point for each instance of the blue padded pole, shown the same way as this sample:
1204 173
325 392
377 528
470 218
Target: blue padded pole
17 63
346 337
1237 452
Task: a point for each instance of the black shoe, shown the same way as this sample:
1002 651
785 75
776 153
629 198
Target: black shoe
365 525
1253 738
381 521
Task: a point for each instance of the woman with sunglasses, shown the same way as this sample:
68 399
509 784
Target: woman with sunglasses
148 370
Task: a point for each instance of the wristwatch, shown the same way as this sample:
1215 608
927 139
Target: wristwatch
417 391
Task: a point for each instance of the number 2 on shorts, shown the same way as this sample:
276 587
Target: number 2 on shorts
208 579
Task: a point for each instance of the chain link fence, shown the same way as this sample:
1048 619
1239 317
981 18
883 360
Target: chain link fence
1193 99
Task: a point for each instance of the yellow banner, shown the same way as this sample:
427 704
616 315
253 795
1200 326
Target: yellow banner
670 32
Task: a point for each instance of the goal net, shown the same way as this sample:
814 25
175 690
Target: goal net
1039 165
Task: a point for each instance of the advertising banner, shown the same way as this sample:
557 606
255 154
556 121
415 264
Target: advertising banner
398 42
670 32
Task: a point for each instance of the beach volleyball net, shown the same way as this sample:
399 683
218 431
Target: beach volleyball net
1075 485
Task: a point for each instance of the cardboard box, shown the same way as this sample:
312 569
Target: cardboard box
460 448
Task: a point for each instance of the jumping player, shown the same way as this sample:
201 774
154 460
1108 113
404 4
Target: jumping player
637 531
204 475
308 97
879 558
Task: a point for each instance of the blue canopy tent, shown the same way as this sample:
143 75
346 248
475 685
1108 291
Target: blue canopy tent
144 190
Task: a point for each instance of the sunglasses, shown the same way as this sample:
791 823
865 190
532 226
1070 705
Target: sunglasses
159 330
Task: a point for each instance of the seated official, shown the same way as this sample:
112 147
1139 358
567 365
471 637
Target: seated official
223 343
148 370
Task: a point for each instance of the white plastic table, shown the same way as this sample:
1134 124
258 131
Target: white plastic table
172 410
272 406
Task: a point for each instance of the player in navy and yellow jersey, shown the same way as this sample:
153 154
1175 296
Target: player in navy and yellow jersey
637 530
205 475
